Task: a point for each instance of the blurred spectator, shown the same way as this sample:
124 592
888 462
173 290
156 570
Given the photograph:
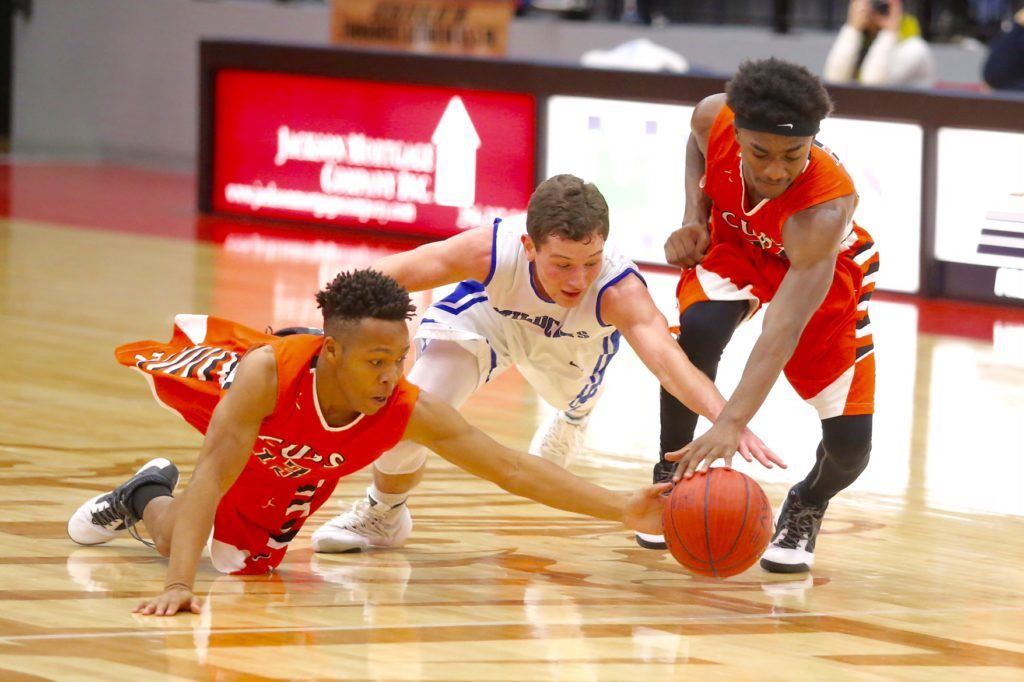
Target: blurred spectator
640 11
639 54
570 9
880 45
1004 68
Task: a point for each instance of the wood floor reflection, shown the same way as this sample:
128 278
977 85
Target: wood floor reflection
919 573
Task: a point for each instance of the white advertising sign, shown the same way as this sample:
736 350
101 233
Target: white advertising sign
884 160
980 205
635 152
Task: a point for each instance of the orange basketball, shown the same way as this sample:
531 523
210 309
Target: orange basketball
717 523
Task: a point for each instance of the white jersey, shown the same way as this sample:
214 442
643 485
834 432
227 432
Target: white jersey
562 352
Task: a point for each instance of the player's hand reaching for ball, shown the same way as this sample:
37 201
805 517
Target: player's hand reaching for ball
643 508
686 246
174 599
722 441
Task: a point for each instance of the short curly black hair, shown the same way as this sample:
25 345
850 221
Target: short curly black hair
356 295
775 90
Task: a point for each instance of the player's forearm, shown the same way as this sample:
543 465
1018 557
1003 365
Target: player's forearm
192 528
878 62
770 354
415 270
698 204
551 485
691 387
669 364
440 428
841 63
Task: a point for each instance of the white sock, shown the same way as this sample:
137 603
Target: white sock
390 499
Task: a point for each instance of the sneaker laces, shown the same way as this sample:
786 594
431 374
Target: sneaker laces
133 531
800 521
364 516
128 516
663 471
108 515
117 510
563 436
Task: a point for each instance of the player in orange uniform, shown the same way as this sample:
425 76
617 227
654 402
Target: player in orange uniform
284 419
769 217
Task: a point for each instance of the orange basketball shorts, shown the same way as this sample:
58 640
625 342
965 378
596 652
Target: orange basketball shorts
833 366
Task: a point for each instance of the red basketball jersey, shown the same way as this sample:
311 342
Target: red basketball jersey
298 457
732 220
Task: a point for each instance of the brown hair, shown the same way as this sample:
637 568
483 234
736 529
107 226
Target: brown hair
566 206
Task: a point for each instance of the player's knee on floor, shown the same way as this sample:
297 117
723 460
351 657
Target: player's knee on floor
163 545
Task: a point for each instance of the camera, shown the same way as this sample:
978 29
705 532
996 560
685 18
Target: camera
880 7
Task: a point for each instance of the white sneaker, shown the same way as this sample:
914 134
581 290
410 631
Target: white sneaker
108 515
792 548
560 439
95 523
367 524
651 541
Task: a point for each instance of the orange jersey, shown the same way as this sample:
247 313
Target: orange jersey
298 457
833 365
823 179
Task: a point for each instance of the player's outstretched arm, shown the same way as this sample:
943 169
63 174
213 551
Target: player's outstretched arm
812 239
437 425
629 307
233 428
465 256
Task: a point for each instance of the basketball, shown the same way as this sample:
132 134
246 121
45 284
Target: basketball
717 523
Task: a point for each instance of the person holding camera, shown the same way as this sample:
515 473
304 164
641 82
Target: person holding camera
880 44
1004 67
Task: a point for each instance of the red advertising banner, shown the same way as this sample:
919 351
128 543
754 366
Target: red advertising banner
404 158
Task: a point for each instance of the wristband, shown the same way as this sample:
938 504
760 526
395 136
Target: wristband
169 586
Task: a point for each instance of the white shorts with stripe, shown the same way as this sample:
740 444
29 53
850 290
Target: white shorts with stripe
568 374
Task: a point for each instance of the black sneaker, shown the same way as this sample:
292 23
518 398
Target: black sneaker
662 472
792 548
106 516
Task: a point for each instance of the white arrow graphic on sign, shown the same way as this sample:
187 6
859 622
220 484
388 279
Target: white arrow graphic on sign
456 141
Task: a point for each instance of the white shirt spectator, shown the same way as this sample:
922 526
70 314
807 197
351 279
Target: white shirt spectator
897 55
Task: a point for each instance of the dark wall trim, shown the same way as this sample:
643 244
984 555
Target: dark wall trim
931 110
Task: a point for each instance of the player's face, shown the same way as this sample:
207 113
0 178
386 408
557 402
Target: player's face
564 268
772 162
370 361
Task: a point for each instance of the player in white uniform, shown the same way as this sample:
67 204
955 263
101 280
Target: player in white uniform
544 294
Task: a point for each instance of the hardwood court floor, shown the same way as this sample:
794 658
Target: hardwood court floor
919 572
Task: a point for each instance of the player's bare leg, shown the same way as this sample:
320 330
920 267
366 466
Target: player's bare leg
110 515
158 517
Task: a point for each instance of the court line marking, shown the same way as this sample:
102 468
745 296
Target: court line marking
476 624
